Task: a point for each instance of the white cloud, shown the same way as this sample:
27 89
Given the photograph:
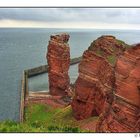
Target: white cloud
21 23
39 24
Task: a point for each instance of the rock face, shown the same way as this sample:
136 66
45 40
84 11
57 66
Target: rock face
96 76
108 84
58 57
123 114
107 45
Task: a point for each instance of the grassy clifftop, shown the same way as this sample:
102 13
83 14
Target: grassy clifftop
42 118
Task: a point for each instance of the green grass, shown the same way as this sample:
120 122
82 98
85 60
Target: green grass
42 118
11 126
123 43
99 52
111 59
38 112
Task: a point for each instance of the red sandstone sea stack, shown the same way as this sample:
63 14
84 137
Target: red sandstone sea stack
96 76
108 84
58 57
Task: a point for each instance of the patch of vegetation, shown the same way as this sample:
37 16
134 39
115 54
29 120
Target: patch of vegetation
112 59
11 126
63 129
123 43
99 52
42 118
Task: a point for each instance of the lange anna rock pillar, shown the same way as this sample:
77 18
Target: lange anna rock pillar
58 57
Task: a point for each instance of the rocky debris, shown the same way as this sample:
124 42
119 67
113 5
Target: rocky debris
96 76
123 114
58 58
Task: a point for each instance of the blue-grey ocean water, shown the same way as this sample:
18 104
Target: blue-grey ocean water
26 48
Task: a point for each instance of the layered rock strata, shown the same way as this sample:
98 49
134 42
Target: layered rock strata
58 58
123 114
96 76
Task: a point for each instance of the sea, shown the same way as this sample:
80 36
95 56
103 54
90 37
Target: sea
24 48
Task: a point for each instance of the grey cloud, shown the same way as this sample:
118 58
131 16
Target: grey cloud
104 15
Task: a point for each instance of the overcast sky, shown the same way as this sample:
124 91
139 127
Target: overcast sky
103 18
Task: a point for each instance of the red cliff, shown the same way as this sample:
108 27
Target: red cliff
58 57
96 76
108 84
123 115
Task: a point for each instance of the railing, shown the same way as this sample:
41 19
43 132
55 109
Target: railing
38 70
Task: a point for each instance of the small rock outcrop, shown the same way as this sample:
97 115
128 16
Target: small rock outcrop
58 57
96 76
123 114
